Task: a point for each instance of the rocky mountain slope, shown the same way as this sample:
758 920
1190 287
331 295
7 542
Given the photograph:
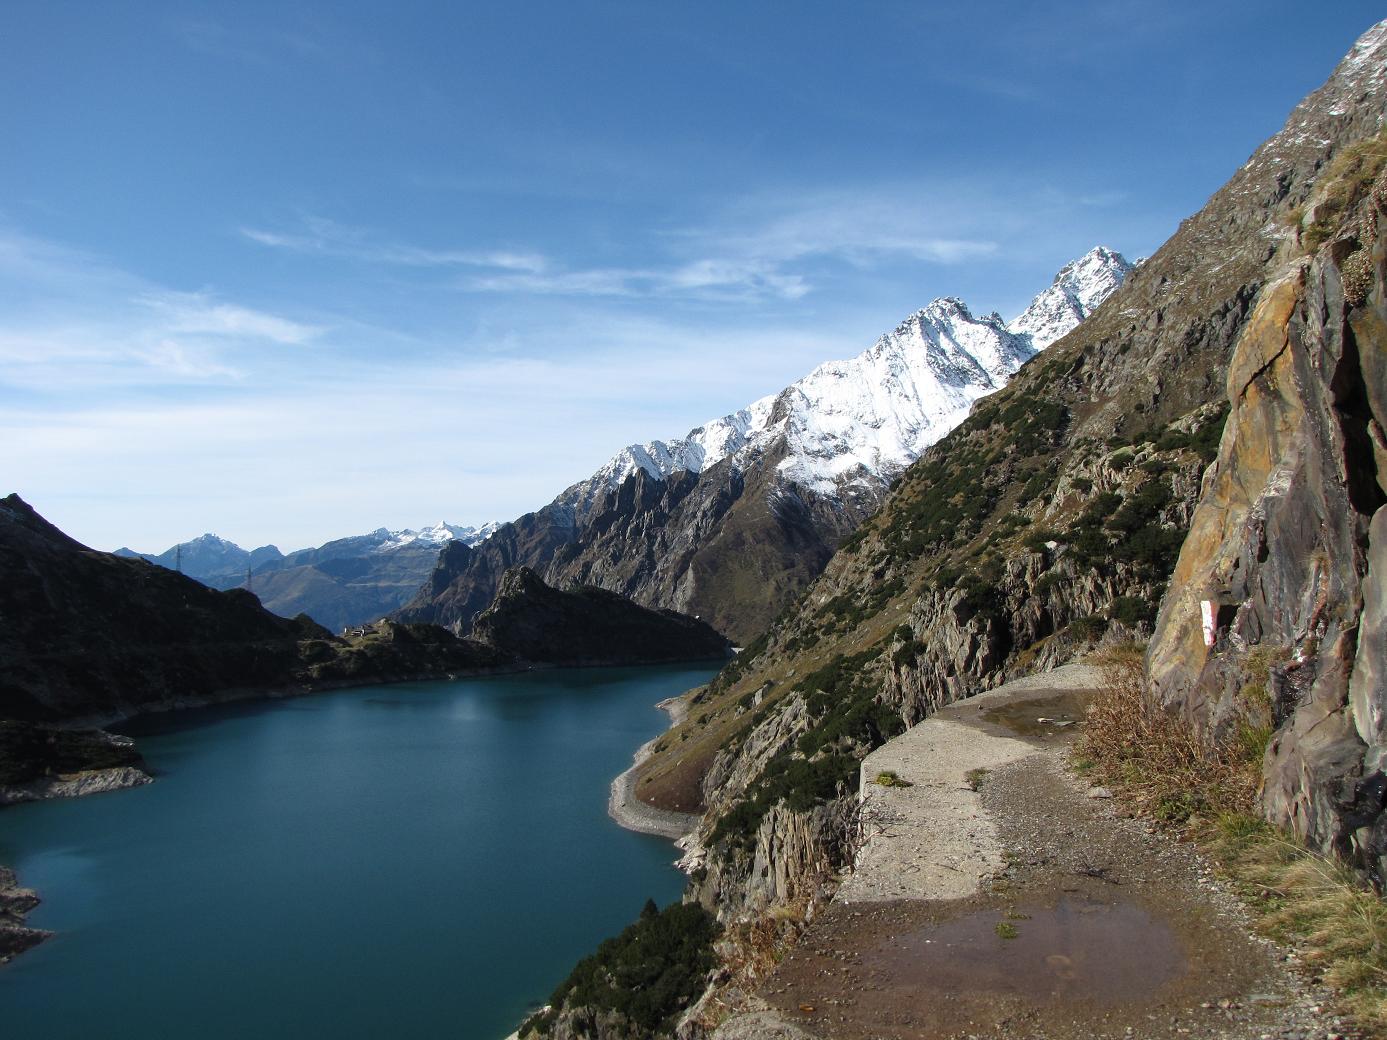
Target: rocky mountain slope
1276 619
588 626
87 635
1052 517
344 582
210 559
730 521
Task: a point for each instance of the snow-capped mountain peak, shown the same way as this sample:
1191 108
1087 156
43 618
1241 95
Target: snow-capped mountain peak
438 534
862 420
1075 293
212 541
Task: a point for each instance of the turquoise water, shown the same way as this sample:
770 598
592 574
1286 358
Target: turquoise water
422 860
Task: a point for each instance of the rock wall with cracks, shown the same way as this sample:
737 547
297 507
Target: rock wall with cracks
1288 546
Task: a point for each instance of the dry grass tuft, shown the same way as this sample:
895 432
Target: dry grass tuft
748 951
1158 759
1318 904
1157 762
1347 180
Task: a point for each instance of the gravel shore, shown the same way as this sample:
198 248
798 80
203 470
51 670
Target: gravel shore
629 811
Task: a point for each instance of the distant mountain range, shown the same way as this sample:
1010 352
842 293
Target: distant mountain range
727 522
89 636
731 520
345 582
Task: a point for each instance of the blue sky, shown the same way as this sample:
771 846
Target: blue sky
294 271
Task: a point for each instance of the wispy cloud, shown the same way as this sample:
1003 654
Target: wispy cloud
462 433
323 237
760 250
862 226
85 323
202 314
725 280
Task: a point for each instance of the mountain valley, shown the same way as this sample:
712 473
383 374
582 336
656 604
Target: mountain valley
1043 665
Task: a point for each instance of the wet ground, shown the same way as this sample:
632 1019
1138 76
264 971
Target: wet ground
1095 927
1044 718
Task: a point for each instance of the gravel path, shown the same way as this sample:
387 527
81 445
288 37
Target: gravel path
930 840
1074 922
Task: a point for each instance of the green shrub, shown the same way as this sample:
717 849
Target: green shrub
907 653
847 723
1035 541
1090 627
1131 611
1039 484
890 778
649 973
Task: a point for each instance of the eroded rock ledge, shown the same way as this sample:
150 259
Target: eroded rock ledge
15 904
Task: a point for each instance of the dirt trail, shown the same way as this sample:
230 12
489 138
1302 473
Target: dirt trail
1027 908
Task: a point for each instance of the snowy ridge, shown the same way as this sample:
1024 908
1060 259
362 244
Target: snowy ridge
208 551
439 534
1078 288
862 420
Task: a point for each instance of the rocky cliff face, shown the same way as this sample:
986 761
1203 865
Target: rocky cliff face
1052 518
733 520
1287 552
588 626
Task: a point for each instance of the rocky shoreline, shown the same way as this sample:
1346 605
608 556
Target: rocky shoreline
15 903
629 811
75 785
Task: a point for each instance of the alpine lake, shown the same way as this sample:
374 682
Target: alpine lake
416 860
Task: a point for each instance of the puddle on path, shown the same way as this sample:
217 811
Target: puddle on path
1079 949
1060 712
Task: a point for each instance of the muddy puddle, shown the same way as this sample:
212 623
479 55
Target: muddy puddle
1041 717
1078 949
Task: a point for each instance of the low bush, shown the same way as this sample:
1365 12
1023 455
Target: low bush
649 973
1132 611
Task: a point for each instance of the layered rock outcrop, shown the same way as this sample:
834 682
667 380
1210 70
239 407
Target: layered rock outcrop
15 904
1276 612
38 761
